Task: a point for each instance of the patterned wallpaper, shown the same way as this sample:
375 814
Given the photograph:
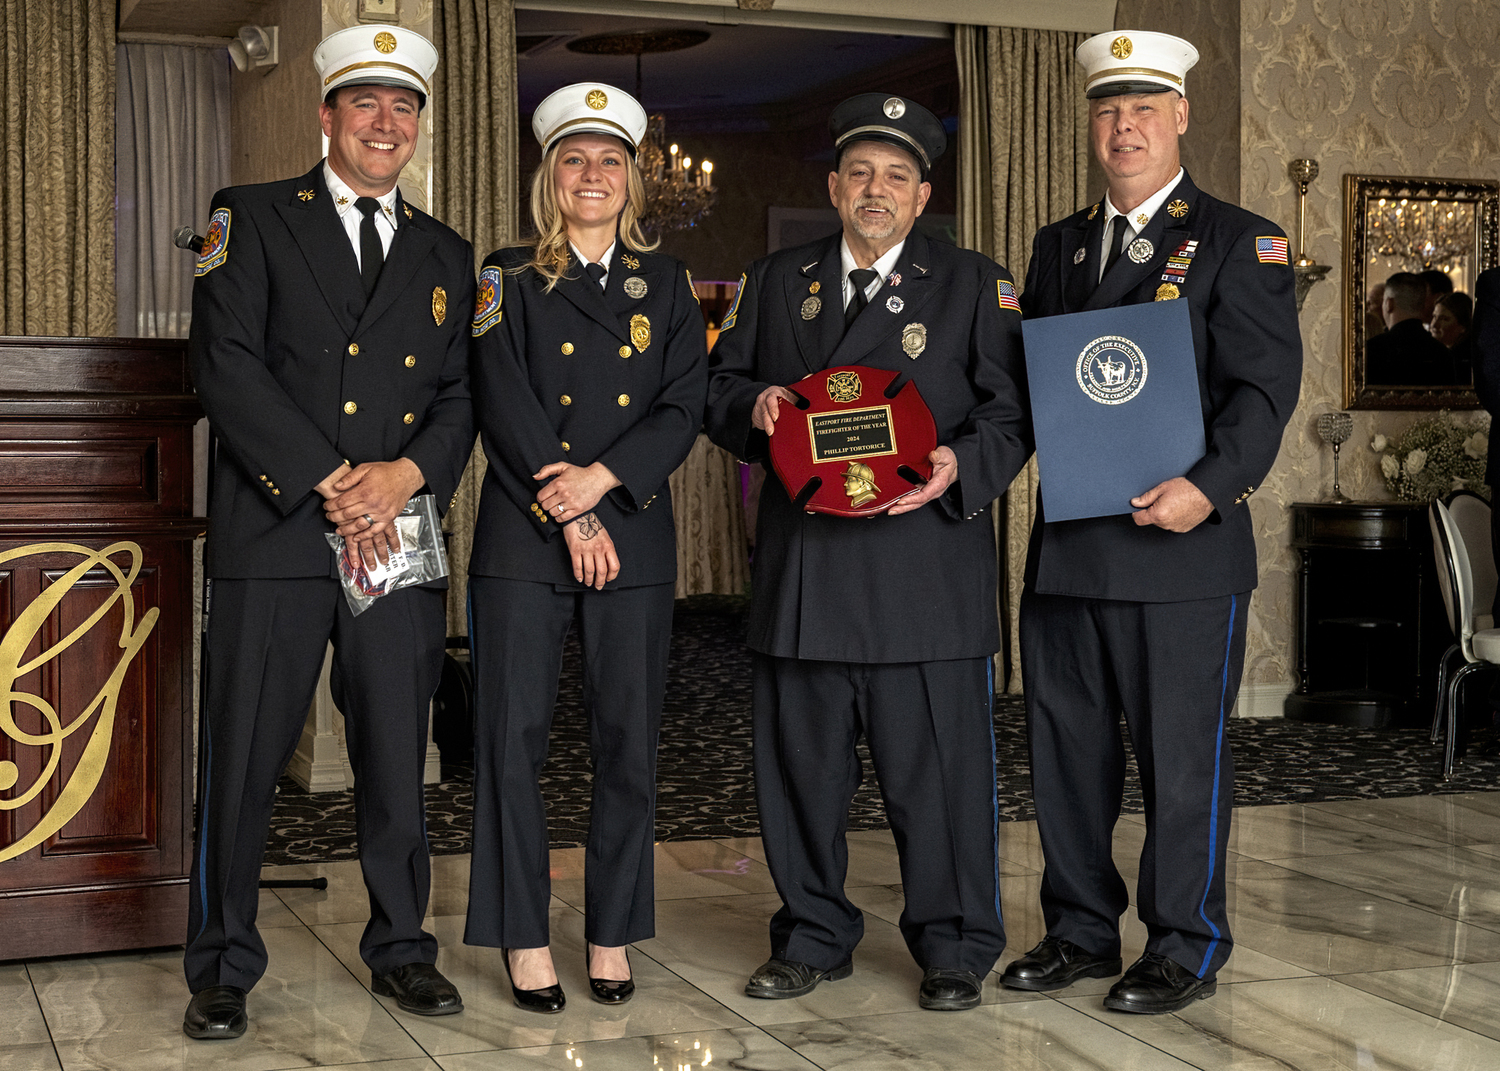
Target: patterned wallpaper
1384 87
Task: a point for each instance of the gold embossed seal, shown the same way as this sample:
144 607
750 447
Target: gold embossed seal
844 387
1121 48
597 99
385 42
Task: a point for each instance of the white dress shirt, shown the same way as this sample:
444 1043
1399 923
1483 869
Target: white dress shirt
351 217
1137 218
883 268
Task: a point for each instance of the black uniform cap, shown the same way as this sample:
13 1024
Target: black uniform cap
894 120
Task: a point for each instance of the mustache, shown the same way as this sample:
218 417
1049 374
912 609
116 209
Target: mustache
876 202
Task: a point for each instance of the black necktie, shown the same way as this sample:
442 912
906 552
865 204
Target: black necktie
371 252
859 279
1118 228
596 272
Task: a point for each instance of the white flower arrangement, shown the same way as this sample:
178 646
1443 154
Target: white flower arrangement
1436 455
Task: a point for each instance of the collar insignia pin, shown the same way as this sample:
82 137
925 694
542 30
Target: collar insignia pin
306 195
894 303
1078 256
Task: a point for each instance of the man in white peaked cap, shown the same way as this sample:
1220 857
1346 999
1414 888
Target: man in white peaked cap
1143 615
329 348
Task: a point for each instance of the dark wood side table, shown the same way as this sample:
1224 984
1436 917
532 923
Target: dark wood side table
1370 623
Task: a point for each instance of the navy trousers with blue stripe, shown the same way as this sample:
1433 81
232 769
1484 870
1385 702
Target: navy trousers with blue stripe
1172 670
931 738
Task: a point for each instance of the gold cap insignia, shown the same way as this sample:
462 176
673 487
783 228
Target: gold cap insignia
629 261
640 332
597 99
385 43
844 387
811 307
914 340
1177 209
1167 292
1121 48
306 195
439 305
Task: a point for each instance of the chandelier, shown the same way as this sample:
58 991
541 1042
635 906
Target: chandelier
679 193
1422 234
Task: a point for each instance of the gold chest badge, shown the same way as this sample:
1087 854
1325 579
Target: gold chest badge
439 305
640 332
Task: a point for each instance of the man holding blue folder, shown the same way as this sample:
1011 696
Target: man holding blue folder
1144 614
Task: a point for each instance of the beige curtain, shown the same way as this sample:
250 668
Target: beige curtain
1022 163
57 195
474 192
172 150
708 507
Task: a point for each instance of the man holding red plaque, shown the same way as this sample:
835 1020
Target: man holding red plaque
1143 615
874 605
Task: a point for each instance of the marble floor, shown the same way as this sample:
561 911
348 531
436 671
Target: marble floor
1368 937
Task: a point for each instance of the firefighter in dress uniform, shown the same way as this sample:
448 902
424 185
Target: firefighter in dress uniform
589 370
329 348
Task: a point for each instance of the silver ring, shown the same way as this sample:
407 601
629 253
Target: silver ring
369 521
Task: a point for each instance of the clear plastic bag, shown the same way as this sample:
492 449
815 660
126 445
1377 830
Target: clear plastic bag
421 558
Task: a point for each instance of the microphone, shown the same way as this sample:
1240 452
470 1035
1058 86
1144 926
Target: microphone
184 238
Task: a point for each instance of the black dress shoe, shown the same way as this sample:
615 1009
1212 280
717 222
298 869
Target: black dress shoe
1056 964
948 990
216 1012
1155 985
549 1000
778 979
608 990
419 988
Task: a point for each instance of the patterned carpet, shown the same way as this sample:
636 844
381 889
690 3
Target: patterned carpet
705 788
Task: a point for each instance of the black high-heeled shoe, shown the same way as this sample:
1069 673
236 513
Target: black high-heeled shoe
548 1000
605 990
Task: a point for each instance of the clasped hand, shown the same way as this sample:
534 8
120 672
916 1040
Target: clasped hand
574 489
1176 505
363 503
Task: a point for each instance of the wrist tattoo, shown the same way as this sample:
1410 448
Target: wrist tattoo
588 526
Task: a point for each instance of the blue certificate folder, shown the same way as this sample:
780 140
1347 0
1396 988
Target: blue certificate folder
1114 401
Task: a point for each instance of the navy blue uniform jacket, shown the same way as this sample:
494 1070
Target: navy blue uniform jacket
298 373
1249 353
561 377
917 587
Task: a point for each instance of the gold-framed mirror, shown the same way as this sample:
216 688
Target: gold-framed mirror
1394 224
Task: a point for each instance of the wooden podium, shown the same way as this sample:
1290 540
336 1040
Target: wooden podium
96 619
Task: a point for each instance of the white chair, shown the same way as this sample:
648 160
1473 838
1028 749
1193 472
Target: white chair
1478 645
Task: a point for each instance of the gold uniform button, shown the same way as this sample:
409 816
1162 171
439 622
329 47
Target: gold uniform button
350 408
354 349
623 399
624 351
566 447
566 399
263 476
276 492
408 418
411 362
567 348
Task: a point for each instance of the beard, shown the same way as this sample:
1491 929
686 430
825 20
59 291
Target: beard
875 231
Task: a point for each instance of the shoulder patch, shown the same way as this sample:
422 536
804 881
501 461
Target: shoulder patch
1007 295
1271 250
734 309
488 298
215 243
691 288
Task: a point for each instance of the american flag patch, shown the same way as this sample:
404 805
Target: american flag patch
1007 294
1270 250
